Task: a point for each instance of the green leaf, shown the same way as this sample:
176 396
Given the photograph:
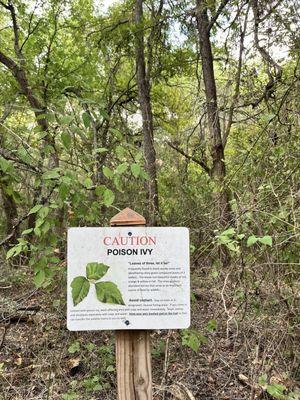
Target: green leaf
117 133
66 140
144 175
95 271
211 326
101 150
215 274
70 396
63 191
99 191
108 292
74 347
4 164
267 240
267 117
107 172
43 212
88 183
251 240
80 289
276 390
66 120
193 339
104 114
121 168
135 169
35 209
39 278
27 231
52 174
228 232
262 380
11 252
108 197
86 119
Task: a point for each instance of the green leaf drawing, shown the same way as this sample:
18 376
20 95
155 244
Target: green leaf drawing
95 271
108 292
80 289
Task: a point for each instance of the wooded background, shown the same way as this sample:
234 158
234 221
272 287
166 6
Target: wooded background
187 112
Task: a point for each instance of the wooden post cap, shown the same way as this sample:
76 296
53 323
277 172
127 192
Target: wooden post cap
127 217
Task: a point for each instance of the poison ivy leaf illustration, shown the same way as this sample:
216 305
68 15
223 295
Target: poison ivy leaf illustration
95 271
80 289
108 292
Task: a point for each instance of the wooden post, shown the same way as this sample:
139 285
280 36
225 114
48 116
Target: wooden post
133 350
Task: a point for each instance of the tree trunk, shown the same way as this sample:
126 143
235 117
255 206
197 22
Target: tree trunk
218 170
18 70
9 204
147 116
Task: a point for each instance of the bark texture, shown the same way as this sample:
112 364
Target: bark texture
147 116
218 169
8 201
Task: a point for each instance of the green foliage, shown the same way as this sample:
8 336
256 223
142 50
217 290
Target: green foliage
159 349
211 326
106 292
277 390
74 347
108 197
227 238
193 339
266 240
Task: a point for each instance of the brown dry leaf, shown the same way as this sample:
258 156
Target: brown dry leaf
18 361
73 362
243 378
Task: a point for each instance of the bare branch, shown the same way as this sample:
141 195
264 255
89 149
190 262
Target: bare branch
238 79
4 5
266 56
214 18
191 158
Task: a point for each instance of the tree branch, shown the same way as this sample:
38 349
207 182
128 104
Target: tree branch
191 158
266 56
214 18
238 80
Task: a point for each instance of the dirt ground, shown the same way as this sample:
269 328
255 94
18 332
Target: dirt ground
41 359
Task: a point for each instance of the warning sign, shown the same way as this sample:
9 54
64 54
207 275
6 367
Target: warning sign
128 278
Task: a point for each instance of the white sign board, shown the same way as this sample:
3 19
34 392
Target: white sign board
128 278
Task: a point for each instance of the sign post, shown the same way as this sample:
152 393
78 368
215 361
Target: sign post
133 348
132 279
